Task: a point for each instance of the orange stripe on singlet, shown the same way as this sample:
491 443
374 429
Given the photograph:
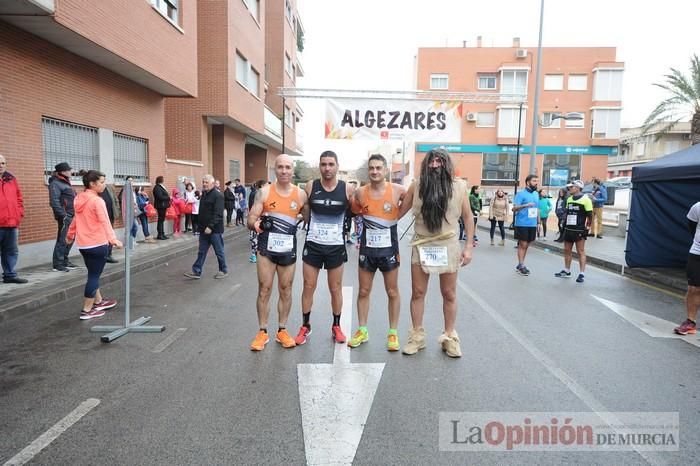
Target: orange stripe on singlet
382 208
283 205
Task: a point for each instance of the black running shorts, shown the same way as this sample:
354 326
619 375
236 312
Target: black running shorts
693 270
282 260
525 233
573 236
324 257
384 264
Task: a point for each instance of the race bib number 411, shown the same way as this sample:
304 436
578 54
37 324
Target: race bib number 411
433 256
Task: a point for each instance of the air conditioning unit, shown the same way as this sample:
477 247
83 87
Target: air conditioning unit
471 116
521 53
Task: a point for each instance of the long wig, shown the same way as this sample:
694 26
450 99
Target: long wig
435 189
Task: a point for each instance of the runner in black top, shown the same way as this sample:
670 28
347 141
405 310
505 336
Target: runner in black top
325 242
579 213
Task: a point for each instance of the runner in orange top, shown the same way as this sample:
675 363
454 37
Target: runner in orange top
378 203
274 216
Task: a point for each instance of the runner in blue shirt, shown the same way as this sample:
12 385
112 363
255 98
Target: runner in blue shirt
527 215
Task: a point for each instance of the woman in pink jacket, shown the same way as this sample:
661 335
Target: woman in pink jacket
93 234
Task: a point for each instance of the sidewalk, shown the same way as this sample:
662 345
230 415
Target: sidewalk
607 253
46 287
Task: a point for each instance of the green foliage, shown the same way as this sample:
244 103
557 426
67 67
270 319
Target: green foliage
304 172
683 101
300 40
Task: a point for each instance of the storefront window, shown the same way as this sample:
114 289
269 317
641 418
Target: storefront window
498 168
558 169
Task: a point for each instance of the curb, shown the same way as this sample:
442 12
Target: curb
51 295
647 276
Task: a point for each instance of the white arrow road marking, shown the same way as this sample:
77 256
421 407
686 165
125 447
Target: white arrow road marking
652 326
335 400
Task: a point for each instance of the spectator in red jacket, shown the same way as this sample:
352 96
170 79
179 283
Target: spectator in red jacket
11 214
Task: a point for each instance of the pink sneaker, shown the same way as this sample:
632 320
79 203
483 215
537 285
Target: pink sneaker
687 327
91 314
104 304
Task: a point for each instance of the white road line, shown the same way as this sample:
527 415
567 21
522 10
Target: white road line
52 434
651 325
169 340
341 354
584 395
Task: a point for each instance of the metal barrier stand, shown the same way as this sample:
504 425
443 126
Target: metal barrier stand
116 331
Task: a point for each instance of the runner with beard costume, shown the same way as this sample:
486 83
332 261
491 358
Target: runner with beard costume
441 199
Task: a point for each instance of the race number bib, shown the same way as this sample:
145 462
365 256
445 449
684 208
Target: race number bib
378 238
433 256
325 233
572 220
279 242
532 212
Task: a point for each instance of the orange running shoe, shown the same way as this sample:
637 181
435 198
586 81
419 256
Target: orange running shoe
259 342
285 339
338 334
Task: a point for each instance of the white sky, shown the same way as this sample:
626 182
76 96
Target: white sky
371 44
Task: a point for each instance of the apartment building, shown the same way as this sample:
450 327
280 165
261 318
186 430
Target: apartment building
235 125
585 82
638 147
87 86
143 88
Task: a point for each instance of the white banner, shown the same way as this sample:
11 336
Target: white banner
414 120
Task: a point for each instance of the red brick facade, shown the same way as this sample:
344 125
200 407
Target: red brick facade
135 72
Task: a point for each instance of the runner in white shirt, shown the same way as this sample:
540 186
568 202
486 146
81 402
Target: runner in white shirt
692 297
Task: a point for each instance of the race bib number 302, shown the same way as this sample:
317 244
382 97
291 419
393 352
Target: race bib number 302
279 242
433 256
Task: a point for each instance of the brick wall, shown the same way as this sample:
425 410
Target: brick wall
136 32
39 79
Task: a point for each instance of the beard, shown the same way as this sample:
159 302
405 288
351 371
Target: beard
435 191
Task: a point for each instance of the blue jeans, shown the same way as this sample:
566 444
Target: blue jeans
215 240
144 225
8 251
61 249
95 259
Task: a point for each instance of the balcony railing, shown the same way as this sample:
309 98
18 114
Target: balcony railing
273 123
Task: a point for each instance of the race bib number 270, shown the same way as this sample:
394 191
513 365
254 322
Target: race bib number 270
433 256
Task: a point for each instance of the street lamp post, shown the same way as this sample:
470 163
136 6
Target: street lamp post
533 149
284 118
517 152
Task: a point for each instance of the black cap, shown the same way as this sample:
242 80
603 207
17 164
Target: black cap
63 166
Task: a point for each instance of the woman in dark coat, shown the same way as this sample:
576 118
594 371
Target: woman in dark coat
161 201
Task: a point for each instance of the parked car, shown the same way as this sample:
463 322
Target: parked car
620 182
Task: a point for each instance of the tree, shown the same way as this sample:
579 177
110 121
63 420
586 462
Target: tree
683 102
304 172
361 173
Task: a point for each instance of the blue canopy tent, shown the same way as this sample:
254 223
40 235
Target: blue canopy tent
662 193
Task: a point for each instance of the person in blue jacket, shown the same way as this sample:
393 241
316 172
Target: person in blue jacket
526 212
600 197
545 207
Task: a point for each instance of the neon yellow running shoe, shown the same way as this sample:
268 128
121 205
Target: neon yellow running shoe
392 342
358 338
